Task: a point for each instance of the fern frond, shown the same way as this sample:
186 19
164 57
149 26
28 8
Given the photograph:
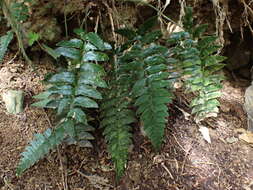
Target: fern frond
207 84
143 70
39 147
152 92
117 118
81 136
195 53
74 90
152 105
4 42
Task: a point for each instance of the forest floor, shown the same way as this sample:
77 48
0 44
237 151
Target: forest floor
185 162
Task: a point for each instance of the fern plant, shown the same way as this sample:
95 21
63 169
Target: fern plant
117 118
140 86
199 65
141 79
145 65
152 93
39 147
71 92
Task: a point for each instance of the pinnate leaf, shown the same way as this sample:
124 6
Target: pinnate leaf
4 42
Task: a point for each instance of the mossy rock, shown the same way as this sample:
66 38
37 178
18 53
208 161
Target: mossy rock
13 100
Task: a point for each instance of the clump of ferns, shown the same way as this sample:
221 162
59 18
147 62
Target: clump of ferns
72 92
141 81
194 53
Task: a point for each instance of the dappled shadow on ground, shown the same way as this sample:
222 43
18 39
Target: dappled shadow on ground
187 161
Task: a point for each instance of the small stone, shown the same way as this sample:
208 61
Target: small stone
248 106
13 100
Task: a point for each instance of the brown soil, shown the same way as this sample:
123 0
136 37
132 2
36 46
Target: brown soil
185 162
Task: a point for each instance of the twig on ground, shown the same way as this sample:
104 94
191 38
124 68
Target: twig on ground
11 61
112 22
96 26
94 178
8 184
62 164
185 157
179 143
167 170
63 170
177 165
